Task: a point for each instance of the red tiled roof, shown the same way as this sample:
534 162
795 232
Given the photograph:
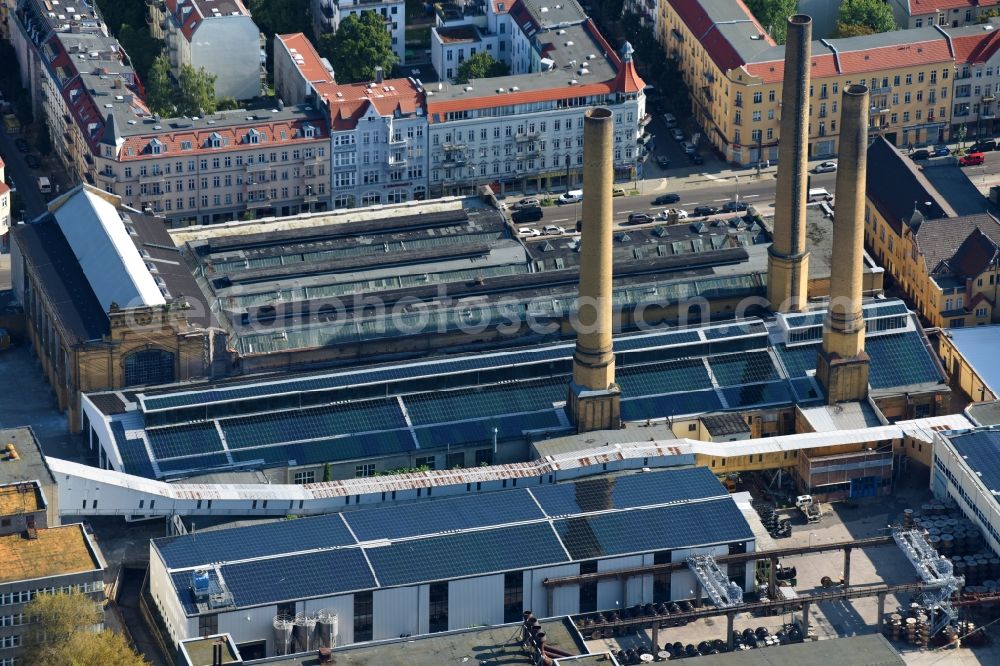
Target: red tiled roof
4 188
435 107
719 49
235 136
350 101
628 79
974 49
312 66
859 62
918 7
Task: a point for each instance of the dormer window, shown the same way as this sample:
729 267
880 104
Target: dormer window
157 147
309 131
215 140
253 136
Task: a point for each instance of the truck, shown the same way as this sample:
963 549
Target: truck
809 508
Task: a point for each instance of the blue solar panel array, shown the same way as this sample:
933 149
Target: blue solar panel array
900 359
317 574
602 493
286 536
644 530
981 450
675 404
443 515
513 548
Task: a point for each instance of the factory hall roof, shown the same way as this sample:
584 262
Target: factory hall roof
980 451
30 465
360 413
92 255
978 346
456 537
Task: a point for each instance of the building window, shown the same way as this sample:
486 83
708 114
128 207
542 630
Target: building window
208 625
455 460
513 596
305 477
361 471
981 312
426 461
438 607
484 457
149 366
363 616
661 581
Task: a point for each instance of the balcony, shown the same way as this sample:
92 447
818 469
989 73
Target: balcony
259 203
401 161
453 147
527 136
258 167
398 142
884 90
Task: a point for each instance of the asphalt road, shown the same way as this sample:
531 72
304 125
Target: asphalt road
24 178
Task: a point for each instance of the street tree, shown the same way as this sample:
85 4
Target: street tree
159 89
57 618
480 66
360 44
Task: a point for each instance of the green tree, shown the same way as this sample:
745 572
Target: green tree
196 92
141 48
280 17
873 14
326 472
57 618
98 649
360 44
851 30
773 15
116 13
159 89
480 66
227 104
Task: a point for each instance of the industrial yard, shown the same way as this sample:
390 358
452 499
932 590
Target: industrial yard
884 565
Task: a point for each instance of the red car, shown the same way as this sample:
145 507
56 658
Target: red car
972 159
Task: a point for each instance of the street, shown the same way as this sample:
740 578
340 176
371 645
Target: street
27 186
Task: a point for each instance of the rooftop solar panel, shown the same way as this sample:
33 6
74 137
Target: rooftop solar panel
734 330
173 466
472 432
745 368
274 538
981 450
472 553
644 530
133 452
318 574
184 440
443 515
480 402
751 395
312 423
798 360
665 406
627 491
900 359
657 378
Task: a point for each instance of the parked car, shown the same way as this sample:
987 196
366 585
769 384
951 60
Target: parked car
705 211
526 215
696 158
530 202
22 145
528 232
32 161
639 218
825 167
553 230
665 199
670 120
678 212
617 191
663 162
688 147
972 159
734 206
942 151
986 146
919 155
677 133
572 196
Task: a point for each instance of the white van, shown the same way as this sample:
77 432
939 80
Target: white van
570 197
819 194
44 186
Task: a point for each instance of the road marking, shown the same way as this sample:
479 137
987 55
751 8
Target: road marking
716 200
561 219
749 196
692 203
627 211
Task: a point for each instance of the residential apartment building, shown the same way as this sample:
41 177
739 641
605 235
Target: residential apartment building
4 206
945 13
268 160
977 80
378 131
947 263
217 35
396 140
734 70
328 14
